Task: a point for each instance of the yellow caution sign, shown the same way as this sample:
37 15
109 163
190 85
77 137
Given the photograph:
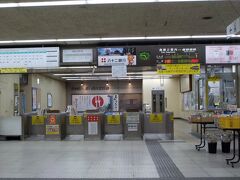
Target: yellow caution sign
171 117
113 119
52 129
38 120
156 118
13 70
214 78
178 69
75 120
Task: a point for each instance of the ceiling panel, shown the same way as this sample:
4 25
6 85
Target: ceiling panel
151 19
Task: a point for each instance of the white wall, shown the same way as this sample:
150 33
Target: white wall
172 93
55 87
46 85
7 93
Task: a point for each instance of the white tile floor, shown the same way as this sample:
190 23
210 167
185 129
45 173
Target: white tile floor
108 159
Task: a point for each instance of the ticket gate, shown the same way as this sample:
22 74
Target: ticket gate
113 126
75 127
132 124
158 126
55 126
33 126
93 125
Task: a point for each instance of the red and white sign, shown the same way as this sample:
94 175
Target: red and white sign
97 101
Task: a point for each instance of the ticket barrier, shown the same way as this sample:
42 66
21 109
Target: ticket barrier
158 126
93 125
132 125
55 126
113 126
170 125
75 127
33 126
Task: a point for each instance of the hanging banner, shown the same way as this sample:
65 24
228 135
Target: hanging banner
119 70
178 69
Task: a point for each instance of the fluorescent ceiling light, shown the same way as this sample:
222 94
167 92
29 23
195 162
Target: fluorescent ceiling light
118 39
86 2
79 39
78 67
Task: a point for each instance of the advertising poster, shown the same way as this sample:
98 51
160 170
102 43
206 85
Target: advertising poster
90 102
223 54
111 56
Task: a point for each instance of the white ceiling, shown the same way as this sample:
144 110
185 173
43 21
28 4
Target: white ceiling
116 20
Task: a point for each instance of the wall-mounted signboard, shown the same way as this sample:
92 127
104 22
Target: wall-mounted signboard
178 69
114 55
170 54
45 57
77 55
223 54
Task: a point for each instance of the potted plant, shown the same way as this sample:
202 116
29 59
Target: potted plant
226 137
212 138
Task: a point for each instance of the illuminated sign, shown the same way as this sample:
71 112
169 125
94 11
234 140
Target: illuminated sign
178 69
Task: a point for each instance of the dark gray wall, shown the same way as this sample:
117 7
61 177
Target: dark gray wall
130 96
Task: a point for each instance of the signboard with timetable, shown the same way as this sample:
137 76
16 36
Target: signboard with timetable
111 56
223 54
45 57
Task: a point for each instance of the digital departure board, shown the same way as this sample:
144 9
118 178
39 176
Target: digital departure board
170 54
178 55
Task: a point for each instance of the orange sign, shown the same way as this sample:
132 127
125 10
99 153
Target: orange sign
52 119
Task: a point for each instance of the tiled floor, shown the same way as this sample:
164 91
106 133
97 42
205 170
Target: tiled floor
108 159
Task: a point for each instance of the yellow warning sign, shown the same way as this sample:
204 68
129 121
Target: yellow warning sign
214 78
75 120
113 119
171 117
178 69
37 120
13 70
52 129
156 118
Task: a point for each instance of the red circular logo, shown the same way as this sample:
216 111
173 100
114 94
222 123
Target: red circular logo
97 101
